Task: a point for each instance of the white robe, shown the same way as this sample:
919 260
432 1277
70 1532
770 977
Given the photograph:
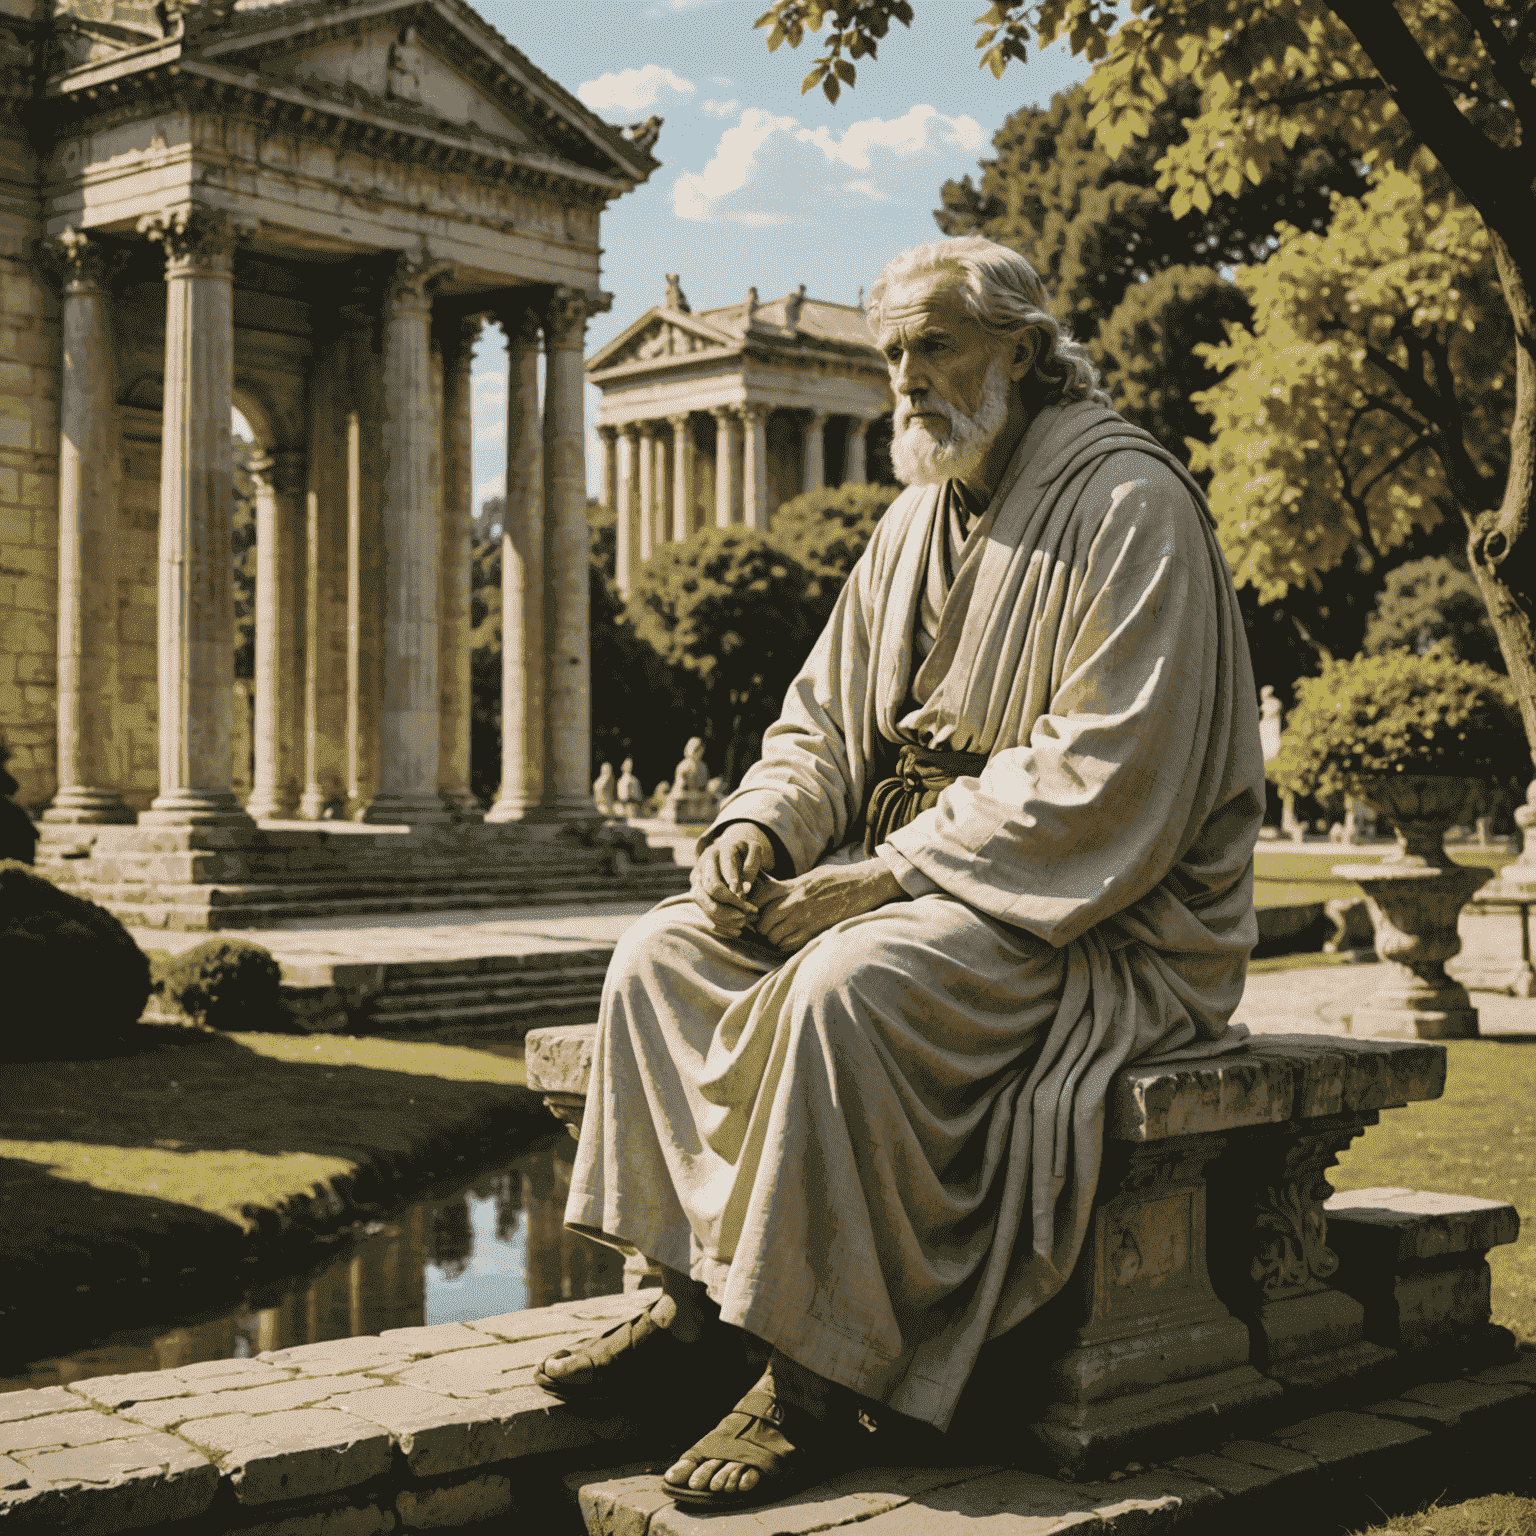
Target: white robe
882 1151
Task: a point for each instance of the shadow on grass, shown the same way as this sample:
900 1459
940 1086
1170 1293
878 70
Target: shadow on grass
133 1184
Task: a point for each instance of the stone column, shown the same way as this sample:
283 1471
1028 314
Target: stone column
279 479
606 437
88 459
567 616
411 481
325 590
661 489
647 431
725 465
523 755
855 471
196 662
626 530
754 467
682 476
456 588
815 472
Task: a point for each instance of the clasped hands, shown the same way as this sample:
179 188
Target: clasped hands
734 894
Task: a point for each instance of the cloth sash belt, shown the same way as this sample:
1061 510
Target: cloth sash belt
921 772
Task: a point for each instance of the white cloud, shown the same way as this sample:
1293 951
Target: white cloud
768 170
633 90
720 108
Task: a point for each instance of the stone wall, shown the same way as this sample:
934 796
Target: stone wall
29 432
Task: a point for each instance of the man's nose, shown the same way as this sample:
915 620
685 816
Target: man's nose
907 377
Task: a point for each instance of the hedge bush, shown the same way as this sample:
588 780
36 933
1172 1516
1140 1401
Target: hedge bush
74 979
226 984
1400 713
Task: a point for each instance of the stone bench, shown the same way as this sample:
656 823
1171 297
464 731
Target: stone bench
1209 1288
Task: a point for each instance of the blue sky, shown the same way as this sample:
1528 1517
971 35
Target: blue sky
759 185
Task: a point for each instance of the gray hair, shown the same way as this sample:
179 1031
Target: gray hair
1003 294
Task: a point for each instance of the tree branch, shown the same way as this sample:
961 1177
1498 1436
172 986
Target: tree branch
1487 173
1396 463
1506 66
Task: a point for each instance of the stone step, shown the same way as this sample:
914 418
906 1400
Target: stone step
194 913
470 990
510 1012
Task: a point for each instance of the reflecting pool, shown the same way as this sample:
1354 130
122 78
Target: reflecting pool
495 1244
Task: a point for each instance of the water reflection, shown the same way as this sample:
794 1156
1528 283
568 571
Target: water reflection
494 1245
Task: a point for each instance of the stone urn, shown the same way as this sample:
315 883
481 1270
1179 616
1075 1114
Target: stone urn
1415 899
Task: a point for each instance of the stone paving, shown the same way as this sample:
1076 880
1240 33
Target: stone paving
1308 999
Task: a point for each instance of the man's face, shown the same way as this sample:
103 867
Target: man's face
952 378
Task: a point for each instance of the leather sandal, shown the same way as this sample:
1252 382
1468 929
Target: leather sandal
630 1356
788 1447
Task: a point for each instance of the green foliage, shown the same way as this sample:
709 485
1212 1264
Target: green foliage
1429 603
1372 394
827 530
1142 288
642 707
74 979
1399 713
729 607
243 540
226 984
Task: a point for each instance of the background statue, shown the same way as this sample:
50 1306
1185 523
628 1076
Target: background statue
605 791
630 792
688 801
405 68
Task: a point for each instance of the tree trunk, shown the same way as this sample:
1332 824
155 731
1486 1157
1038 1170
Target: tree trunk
1501 544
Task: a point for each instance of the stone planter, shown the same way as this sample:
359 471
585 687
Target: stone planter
1415 900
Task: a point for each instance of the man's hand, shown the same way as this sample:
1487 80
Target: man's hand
792 912
726 872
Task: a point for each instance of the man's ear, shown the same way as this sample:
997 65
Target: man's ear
1025 351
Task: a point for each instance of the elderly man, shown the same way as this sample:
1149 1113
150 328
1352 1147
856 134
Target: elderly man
849 1093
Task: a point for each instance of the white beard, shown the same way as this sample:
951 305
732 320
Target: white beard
919 458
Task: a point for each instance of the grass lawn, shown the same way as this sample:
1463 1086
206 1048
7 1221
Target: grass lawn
1285 879
189 1162
1479 1139
1499 1514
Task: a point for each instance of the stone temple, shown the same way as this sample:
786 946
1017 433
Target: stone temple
716 418
304 211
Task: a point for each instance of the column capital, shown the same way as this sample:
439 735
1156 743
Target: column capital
816 419
84 265
523 327
282 471
565 316
197 240
678 421
754 411
723 413
631 430
608 434
410 283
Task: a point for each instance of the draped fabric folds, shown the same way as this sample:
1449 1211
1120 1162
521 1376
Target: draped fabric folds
882 1151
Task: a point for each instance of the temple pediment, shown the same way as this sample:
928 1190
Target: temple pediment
430 63
660 336
392 63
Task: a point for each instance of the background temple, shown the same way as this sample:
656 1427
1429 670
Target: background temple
716 418
305 211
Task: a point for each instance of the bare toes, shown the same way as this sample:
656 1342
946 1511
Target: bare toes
749 1477
705 1474
679 1472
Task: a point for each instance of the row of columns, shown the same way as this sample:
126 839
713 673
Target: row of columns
363 561
654 507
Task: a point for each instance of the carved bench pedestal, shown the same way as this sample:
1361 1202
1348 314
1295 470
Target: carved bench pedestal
1275 1267
1156 1353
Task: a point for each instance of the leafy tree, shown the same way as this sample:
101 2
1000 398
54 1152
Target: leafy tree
642 707
827 530
1443 88
739 614
1429 603
244 550
1140 286
1371 395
